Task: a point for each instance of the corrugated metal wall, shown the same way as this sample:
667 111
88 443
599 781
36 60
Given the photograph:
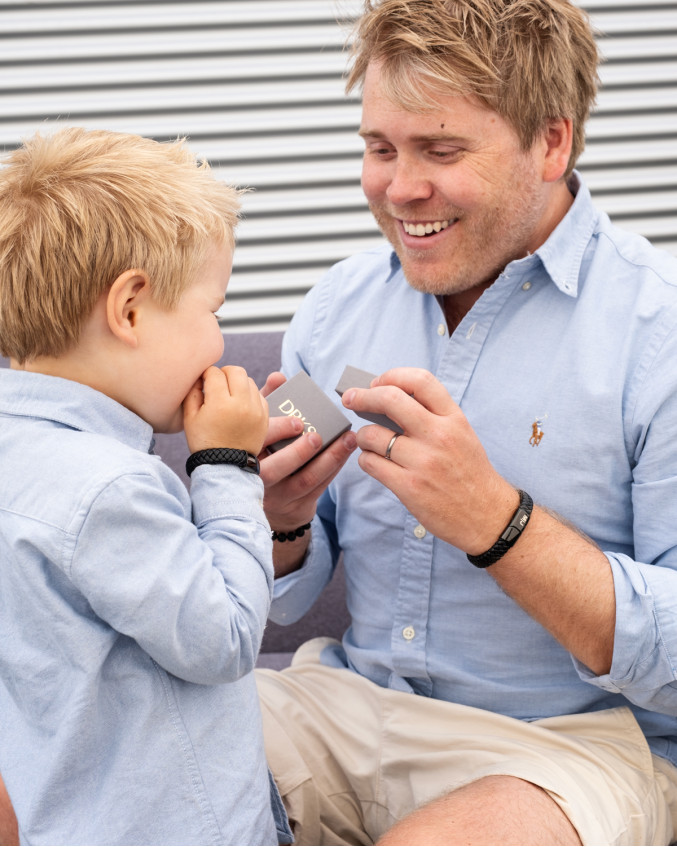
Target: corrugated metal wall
256 85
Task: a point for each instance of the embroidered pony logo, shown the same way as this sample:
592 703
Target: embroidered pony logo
536 432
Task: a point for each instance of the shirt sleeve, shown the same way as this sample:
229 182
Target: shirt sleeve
194 595
645 640
295 593
643 668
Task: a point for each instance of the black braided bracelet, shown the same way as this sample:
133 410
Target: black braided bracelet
509 535
299 532
223 456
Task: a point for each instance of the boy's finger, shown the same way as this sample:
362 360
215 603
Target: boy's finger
236 379
264 405
213 380
194 399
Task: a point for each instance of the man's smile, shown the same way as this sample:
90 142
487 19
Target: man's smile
421 229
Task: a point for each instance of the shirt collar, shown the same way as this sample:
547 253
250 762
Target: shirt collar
395 266
72 404
563 252
561 255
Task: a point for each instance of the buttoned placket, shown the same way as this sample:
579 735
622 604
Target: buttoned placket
457 360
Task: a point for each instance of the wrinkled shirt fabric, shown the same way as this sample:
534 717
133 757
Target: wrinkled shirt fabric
132 615
577 342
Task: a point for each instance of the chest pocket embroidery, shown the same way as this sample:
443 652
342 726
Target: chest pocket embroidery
536 431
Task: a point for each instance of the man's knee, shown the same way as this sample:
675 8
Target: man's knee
492 810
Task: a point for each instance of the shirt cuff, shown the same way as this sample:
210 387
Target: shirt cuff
644 636
219 491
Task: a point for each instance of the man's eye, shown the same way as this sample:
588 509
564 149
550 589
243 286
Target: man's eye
444 154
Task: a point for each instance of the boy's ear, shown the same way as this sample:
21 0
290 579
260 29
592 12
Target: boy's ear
558 139
125 297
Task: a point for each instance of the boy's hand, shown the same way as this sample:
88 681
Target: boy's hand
225 409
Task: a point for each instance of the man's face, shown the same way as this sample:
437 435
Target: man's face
450 189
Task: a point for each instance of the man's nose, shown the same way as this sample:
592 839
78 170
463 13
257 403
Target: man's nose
409 183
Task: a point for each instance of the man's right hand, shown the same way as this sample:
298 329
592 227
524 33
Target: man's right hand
295 477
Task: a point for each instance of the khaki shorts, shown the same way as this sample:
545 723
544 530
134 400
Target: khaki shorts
351 758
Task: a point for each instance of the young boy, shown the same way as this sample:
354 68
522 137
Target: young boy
132 612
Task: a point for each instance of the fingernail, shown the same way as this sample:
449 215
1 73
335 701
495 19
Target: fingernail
315 439
348 397
298 424
350 440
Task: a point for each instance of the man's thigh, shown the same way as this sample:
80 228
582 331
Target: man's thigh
323 756
352 758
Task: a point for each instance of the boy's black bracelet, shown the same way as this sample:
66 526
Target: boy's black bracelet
223 456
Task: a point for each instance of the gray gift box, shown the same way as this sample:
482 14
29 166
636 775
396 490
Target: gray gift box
300 397
357 378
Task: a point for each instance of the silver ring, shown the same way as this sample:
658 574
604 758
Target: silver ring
390 444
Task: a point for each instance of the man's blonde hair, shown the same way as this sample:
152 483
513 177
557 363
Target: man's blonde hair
78 208
528 60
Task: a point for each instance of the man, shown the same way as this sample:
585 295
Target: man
509 673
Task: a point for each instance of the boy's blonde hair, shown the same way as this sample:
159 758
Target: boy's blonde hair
527 60
78 208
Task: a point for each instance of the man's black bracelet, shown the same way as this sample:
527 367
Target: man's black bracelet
299 532
223 456
509 535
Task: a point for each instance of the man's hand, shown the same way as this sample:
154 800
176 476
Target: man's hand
437 467
225 409
291 494
295 477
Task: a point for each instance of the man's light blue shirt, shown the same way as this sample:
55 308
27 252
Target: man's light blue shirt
132 615
566 367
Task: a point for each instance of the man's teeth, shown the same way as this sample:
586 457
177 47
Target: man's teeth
424 229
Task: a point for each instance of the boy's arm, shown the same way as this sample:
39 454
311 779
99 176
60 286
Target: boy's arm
195 596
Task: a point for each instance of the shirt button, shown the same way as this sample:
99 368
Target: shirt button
420 531
408 632
526 286
441 329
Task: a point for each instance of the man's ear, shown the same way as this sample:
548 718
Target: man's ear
558 138
125 297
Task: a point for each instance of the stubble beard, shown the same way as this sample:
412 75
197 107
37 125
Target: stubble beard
487 243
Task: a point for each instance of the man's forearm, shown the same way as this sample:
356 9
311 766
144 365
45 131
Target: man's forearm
564 582
288 556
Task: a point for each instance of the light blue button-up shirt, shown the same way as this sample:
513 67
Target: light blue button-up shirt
566 368
132 615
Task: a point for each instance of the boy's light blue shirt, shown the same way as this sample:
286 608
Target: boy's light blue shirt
580 340
132 615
